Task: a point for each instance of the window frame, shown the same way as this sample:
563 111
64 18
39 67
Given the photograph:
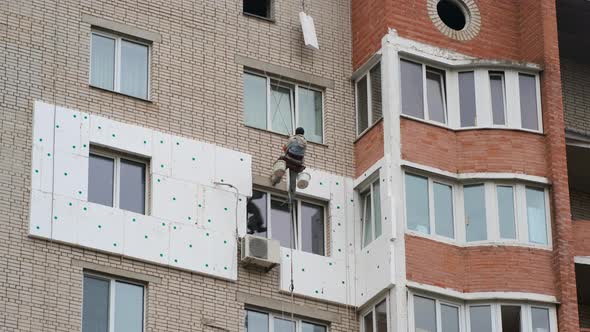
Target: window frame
272 315
294 105
112 296
270 10
116 157
438 301
370 122
298 239
369 187
117 73
372 311
502 75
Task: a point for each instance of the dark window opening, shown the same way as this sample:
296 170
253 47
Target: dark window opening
583 291
259 8
451 13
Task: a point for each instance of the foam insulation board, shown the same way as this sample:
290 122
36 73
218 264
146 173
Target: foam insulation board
70 175
42 169
319 185
40 214
235 168
223 250
102 229
43 125
121 136
146 238
173 199
242 215
68 125
374 269
161 154
192 161
219 210
66 213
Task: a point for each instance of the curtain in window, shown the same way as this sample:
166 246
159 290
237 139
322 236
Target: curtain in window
134 69
362 107
310 114
102 64
376 108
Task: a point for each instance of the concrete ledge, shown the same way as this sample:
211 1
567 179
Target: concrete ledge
121 28
286 306
116 271
284 72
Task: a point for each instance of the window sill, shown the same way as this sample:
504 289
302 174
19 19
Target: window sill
120 94
364 132
284 135
444 126
486 243
262 18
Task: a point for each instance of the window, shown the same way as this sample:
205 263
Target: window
117 181
432 315
119 64
475 213
376 319
529 112
371 213
467 99
498 97
368 99
540 318
511 321
480 318
258 321
536 216
111 305
506 212
281 106
417 78
269 216
424 196
259 8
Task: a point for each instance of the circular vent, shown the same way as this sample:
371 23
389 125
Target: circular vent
457 19
259 248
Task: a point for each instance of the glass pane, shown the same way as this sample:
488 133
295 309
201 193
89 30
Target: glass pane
102 64
128 307
281 223
281 109
310 114
528 102
381 316
95 307
312 228
497 93
309 327
377 208
506 212
367 219
475 213
256 321
436 102
100 179
449 318
480 318
510 318
540 317
256 208
467 99
424 314
535 210
412 89
376 107
255 101
134 69
417 210
443 210
132 186
362 105
368 322
283 325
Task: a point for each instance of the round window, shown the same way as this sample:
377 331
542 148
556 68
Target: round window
458 19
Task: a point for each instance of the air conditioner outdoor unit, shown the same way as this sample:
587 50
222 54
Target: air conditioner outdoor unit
260 251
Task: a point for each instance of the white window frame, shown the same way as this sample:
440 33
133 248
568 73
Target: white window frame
117 74
371 310
370 122
294 87
271 316
112 296
370 187
117 174
438 301
502 75
298 239
492 215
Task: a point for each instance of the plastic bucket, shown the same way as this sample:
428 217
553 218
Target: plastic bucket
279 168
303 180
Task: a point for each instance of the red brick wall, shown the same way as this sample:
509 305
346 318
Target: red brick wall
581 235
489 150
479 269
368 149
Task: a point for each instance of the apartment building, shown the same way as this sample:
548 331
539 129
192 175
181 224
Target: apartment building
446 146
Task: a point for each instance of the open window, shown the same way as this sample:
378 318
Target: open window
372 226
258 8
423 92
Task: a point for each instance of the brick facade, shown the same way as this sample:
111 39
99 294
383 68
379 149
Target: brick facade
368 149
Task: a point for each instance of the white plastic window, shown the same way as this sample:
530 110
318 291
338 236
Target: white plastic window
260 321
368 99
423 92
120 64
371 213
375 319
498 97
281 106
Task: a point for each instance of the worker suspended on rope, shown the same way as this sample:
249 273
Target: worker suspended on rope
293 160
